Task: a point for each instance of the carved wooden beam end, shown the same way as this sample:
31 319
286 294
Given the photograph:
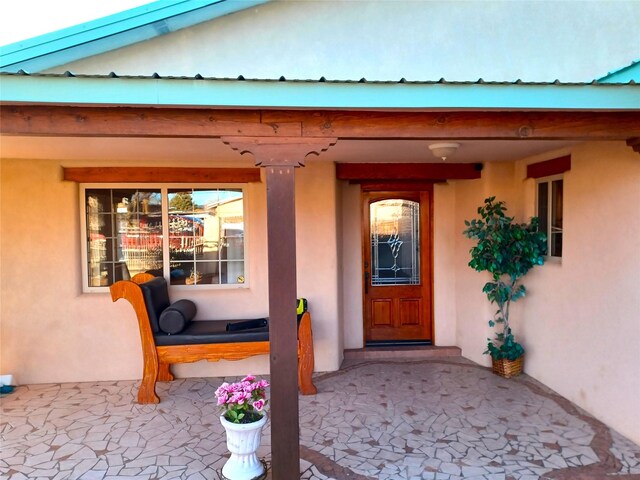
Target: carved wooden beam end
634 143
279 151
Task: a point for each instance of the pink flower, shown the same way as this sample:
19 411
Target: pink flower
222 389
239 398
235 387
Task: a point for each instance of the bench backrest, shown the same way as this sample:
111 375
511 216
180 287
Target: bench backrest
156 299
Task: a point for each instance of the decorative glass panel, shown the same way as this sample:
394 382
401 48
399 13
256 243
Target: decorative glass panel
395 242
543 207
124 234
206 230
550 196
556 218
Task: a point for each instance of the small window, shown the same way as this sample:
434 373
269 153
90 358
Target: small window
550 199
191 236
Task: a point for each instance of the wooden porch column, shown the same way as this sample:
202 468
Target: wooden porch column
280 157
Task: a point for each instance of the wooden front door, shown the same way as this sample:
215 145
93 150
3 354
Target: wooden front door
397 266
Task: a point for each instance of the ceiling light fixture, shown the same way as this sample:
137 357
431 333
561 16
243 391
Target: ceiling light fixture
443 150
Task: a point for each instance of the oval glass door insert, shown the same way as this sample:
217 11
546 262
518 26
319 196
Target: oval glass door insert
395 242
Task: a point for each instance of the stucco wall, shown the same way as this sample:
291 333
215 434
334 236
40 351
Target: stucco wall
352 266
317 238
444 279
418 40
52 332
580 322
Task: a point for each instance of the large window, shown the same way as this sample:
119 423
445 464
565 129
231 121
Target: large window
191 236
550 197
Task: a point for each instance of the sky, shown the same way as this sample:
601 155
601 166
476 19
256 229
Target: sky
24 19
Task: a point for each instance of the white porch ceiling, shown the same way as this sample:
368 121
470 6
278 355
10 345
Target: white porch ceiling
202 150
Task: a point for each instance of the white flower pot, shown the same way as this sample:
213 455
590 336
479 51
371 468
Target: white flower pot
243 439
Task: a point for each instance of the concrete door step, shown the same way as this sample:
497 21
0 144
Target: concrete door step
371 353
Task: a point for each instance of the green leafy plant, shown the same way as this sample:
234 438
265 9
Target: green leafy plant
507 250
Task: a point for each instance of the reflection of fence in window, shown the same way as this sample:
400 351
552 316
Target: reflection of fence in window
140 242
186 244
97 255
186 237
141 253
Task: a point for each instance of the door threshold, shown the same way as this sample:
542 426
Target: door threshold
397 343
390 352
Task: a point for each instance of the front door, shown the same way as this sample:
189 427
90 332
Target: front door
397 267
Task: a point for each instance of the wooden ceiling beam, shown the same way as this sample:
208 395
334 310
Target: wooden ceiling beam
160 175
366 172
136 122
465 125
212 123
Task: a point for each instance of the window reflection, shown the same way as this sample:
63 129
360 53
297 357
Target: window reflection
125 235
206 236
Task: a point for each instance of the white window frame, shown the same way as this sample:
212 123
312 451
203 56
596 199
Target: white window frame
549 180
164 189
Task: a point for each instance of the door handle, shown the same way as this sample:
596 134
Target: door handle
366 282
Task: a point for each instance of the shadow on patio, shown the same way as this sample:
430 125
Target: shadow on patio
409 419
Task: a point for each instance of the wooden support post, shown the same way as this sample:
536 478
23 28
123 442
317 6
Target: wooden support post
281 235
280 157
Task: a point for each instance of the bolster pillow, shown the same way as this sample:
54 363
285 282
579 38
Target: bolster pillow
177 316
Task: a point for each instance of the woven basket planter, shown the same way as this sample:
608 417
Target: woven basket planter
508 368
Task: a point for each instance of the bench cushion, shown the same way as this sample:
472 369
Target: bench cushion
156 299
214 331
177 316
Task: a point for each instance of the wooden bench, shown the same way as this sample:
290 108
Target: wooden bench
209 340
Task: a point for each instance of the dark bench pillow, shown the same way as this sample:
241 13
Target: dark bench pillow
156 299
175 318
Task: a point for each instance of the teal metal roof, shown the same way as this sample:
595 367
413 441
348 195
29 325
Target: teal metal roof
625 74
68 89
114 31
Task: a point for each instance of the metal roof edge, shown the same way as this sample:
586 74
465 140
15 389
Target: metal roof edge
114 31
68 89
629 72
242 78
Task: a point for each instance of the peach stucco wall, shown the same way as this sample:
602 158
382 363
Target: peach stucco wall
580 322
52 332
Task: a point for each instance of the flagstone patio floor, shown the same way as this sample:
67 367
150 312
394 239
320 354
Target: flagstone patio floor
374 419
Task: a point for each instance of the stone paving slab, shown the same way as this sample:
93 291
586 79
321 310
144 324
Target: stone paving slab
378 419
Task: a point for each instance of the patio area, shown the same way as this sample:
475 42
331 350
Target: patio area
375 419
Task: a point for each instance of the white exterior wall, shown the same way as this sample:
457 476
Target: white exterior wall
52 332
580 322
388 40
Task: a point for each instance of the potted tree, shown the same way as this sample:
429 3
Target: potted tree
507 250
